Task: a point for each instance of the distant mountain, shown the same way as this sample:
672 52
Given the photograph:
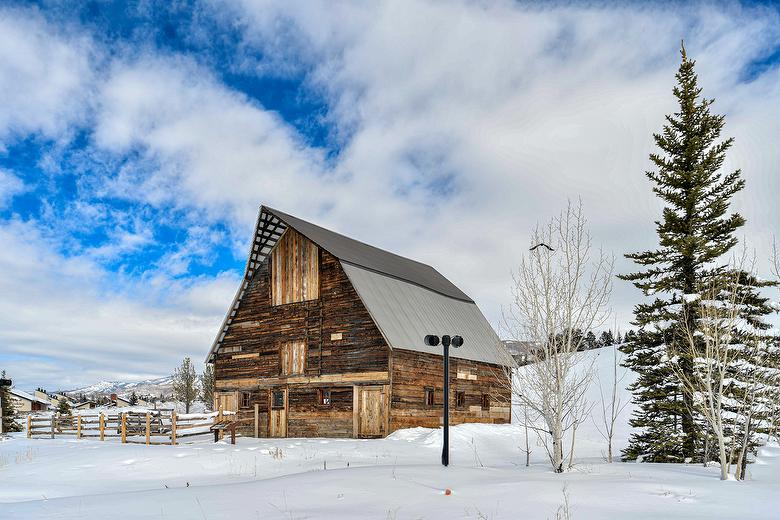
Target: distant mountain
161 385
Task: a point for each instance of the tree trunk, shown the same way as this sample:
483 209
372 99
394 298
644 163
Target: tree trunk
557 452
724 463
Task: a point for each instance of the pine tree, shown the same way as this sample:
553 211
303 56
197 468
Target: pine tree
606 339
590 341
63 407
207 385
185 384
9 413
694 233
133 399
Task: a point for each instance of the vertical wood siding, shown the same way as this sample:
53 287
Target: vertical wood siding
295 269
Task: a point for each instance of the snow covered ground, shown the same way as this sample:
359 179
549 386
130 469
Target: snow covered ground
394 478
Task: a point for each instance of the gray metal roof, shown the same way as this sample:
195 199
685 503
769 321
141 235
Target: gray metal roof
405 313
358 253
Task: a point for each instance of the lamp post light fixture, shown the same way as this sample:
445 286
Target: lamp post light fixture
446 341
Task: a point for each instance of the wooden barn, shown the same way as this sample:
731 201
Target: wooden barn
325 339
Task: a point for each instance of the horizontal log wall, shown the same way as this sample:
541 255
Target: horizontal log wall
413 372
308 418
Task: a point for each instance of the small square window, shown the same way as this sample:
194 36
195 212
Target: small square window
429 400
323 397
277 399
485 402
245 399
460 399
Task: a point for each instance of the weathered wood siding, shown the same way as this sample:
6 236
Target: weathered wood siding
295 273
342 347
250 350
334 341
308 418
413 372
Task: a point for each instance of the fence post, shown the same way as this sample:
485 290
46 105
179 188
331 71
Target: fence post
29 426
101 426
78 426
220 433
148 423
257 420
123 417
52 425
173 428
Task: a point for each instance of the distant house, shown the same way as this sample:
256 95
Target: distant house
119 402
325 338
24 402
86 405
53 398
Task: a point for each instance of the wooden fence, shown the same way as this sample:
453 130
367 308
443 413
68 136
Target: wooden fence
150 427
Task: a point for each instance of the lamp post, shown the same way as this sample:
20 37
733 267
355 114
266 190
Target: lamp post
446 341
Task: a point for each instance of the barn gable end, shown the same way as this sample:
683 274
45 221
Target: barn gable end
308 344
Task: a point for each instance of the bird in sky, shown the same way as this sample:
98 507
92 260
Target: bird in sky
542 244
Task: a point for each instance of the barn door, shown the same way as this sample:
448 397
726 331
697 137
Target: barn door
371 411
277 415
226 401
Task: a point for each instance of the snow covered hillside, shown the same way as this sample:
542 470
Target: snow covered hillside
160 385
394 478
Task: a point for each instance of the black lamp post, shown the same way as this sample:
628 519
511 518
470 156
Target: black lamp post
446 341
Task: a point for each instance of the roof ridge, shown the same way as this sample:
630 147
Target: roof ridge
372 257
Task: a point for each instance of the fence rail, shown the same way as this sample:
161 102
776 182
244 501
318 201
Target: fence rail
150 427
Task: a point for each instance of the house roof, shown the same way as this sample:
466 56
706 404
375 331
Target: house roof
27 397
406 299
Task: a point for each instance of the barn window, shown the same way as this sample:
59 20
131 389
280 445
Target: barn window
460 399
485 402
429 396
293 357
245 397
323 397
277 399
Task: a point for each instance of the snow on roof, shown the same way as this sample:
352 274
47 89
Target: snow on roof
21 394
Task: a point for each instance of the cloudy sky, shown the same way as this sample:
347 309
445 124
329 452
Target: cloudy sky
137 142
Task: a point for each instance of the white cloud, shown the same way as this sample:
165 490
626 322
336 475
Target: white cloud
66 321
521 108
45 75
202 145
507 109
10 186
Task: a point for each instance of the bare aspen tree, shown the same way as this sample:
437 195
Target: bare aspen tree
561 286
612 405
775 412
712 344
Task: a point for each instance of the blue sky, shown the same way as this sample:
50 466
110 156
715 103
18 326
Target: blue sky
137 141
